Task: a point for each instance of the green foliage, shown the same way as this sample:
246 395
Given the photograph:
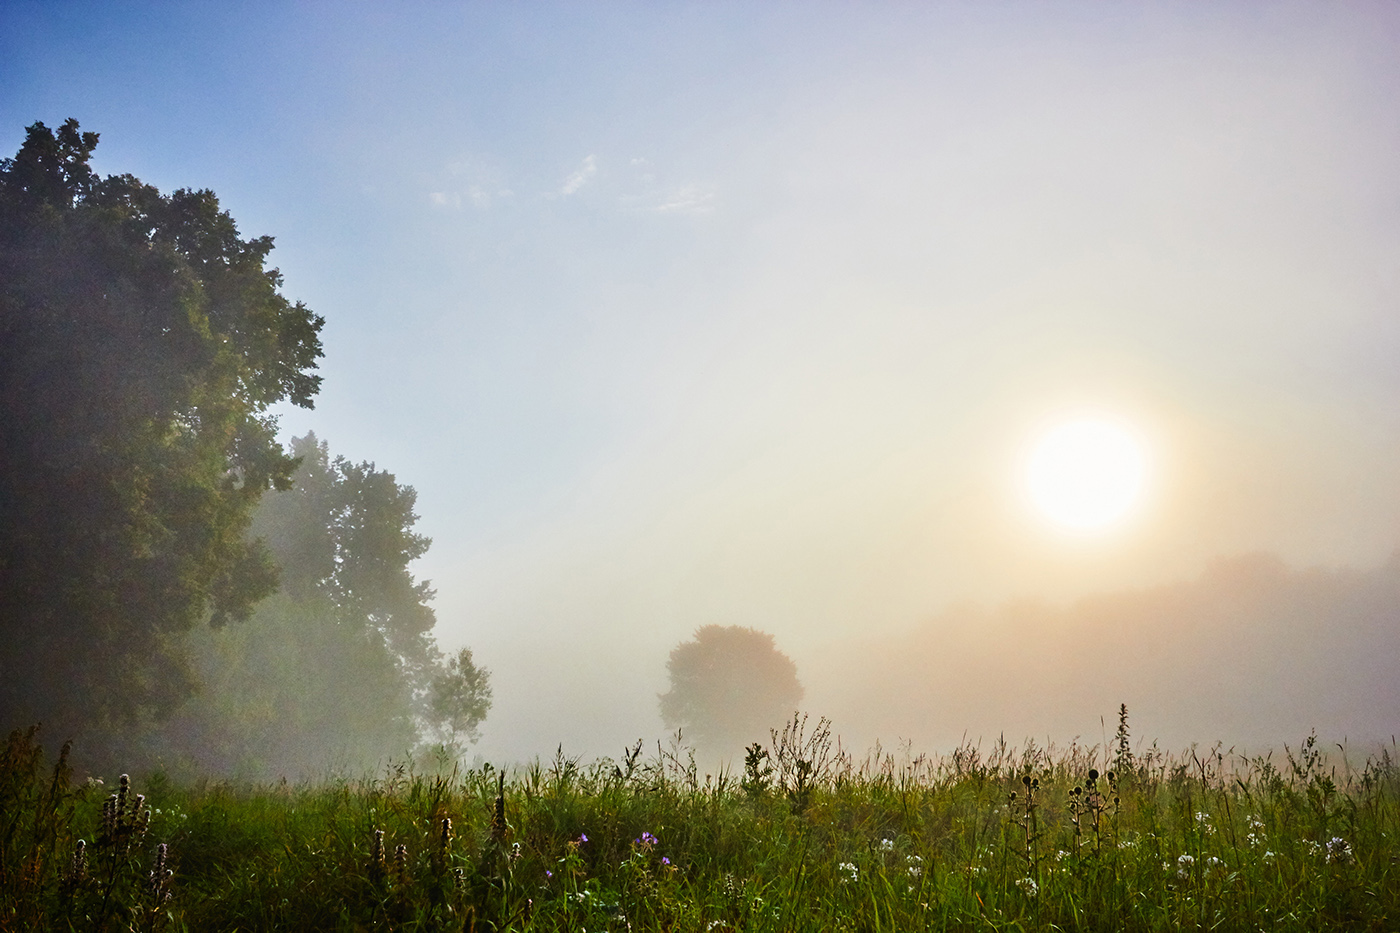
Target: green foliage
728 684
1202 842
142 342
340 670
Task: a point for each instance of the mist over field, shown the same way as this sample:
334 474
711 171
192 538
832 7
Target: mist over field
654 318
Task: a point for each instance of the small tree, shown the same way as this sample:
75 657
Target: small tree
459 700
729 685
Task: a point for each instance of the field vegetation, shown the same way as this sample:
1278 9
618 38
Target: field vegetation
805 837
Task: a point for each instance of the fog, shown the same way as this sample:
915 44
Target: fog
720 315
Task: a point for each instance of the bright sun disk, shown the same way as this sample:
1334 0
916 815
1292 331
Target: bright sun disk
1086 474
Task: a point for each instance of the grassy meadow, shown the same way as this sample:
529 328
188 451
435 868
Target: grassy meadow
803 837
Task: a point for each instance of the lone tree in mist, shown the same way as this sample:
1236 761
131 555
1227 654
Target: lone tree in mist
142 343
729 686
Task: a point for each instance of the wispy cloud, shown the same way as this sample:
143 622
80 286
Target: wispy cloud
481 187
689 199
579 178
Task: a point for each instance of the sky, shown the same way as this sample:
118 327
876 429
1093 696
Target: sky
746 314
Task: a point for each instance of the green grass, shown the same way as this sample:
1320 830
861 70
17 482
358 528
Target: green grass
805 839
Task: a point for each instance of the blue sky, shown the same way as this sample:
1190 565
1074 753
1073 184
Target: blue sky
743 313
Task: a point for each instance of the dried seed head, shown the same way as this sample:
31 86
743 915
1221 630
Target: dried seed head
77 870
376 853
109 816
401 864
1093 775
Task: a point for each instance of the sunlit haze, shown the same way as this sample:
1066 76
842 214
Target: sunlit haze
1004 361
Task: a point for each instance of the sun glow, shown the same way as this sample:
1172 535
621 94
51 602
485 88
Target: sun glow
1086 474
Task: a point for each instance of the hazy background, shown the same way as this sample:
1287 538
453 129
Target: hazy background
744 314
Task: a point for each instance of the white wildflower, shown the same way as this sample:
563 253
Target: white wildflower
1029 886
1339 851
1184 864
850 871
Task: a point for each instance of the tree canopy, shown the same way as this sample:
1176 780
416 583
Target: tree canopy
729 685
142 343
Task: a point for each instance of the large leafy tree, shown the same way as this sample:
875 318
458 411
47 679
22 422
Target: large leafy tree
340 669
729 685
142 342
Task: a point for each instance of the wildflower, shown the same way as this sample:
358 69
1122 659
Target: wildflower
665 860
1213 863
1029 886
850 871
582 837
1061 855
647 839
887 845
1339 851
77 870
1184 864
160 877
1269 856
1312 847
548 873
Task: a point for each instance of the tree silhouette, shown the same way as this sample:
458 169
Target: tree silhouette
729 686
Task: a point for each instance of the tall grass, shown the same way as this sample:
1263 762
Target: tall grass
806 838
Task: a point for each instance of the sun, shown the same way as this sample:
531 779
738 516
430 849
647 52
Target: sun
1086 474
